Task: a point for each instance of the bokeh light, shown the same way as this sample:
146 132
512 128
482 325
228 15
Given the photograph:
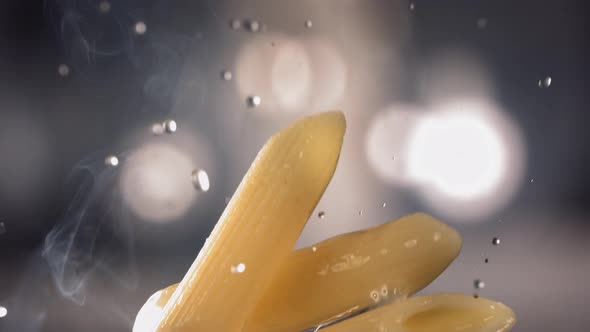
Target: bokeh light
467 158
291 75
387 142
157 179
464 157
156 182
460 153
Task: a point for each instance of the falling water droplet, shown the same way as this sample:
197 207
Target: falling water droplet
410 243
321 214
496 241
486 260
384 291
254 101
308 24
201 180
374 295
111 161
3 312
482 23
157 129
63 70
532 180
104 7
226 75
140 28
239 268
478 284
360 212
2 228
412 6
436 236
253 26
170 126
545 83
235 24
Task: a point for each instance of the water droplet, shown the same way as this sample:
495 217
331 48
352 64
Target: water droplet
545 83
170 126
384 291
104 7
496 241
486 260
532 180
226 75
140 28
321 214
314 249
157 129
111 161
239 268
374 295
63 70
475 295
410 243
308 24
200 180
235 24
360 212
3 312
478 284
254 101
482 23
412 6
384 204
2 228
253 26
437 236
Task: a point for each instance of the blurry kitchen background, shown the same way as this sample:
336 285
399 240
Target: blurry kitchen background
126 126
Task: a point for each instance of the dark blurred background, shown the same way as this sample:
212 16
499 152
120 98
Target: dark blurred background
474 111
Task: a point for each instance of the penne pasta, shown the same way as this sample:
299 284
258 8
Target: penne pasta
247 278
354 271
440 313
258 229
349 273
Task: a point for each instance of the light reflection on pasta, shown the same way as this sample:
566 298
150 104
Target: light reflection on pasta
247 278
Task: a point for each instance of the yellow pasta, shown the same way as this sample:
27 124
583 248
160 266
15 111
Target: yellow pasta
247 278
354 271
258 228
374 266
435 313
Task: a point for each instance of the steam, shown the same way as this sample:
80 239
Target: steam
94 41
93 235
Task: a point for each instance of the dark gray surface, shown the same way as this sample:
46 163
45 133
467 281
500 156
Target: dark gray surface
120 83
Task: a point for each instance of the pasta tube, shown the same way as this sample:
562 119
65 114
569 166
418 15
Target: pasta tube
258 229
